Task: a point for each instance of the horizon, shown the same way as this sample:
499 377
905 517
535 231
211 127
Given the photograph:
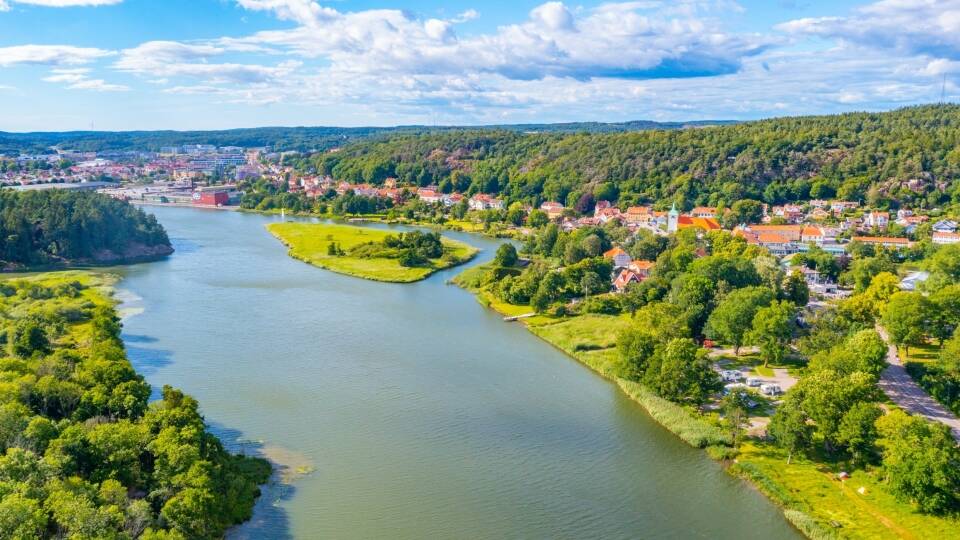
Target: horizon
713 122
212 65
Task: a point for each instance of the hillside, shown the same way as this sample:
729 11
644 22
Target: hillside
302 139
63 228
908 156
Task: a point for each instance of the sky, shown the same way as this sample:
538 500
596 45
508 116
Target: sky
217 64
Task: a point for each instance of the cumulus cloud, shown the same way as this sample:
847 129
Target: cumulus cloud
54 55
80 79
924 27
631 40
173 59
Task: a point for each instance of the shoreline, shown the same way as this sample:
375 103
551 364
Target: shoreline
691 429
67 266
317 259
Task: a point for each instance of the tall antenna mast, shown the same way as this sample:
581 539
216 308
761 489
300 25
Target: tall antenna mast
943 89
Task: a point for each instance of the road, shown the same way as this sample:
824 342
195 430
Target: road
902 390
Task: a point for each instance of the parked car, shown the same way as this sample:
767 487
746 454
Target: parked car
770 390
754 382
731 375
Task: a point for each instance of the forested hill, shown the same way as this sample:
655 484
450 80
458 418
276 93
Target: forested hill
59 228
906 156
302 139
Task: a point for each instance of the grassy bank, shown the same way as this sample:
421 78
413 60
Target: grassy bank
309 242
814 501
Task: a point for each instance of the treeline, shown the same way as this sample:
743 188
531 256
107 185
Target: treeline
301 139
82 453
53 227
905 157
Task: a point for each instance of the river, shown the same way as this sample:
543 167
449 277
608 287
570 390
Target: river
408 411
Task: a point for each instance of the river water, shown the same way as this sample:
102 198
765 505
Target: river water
408 411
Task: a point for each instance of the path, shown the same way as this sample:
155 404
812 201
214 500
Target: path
905 392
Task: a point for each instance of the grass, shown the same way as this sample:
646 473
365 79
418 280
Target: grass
812 499
811 489
694 430
926 353
308 242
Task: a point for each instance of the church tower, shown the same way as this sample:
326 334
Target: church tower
673 219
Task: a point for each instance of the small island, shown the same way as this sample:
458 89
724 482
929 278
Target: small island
372 253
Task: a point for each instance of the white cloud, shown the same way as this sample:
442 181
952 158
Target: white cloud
913 27
166 59
79 79
54 55
633 40
305 12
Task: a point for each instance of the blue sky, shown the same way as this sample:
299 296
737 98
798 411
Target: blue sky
212 64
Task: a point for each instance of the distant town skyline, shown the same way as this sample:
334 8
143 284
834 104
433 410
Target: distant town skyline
218 64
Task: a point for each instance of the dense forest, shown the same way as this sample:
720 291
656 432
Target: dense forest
57 227
301 139
905 157
82 453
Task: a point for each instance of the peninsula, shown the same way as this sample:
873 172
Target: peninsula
371 253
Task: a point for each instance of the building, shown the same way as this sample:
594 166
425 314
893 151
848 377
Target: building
212 195
673 219
913 279
874 219
553 209
944 238
624 279
945 225
641 268
885 241
619 257
704 212
482 201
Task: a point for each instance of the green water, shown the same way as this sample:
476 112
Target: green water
420 413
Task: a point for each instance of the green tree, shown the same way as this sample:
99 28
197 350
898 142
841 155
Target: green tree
682 372
790 428
772 329
795 289
906 318
28 337
921 461
733 318
858 432
21 518
506 256
735 407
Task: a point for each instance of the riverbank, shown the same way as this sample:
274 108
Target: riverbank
311 243
497 230
72 395
134 254
811 496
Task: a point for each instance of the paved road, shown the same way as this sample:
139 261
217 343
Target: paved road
902 390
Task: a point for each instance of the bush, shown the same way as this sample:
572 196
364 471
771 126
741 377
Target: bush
722 453
603 305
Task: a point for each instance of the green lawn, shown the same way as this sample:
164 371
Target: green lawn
308 242
928 352
812 488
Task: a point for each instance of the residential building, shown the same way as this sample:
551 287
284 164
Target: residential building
553 209
943 238
619 257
